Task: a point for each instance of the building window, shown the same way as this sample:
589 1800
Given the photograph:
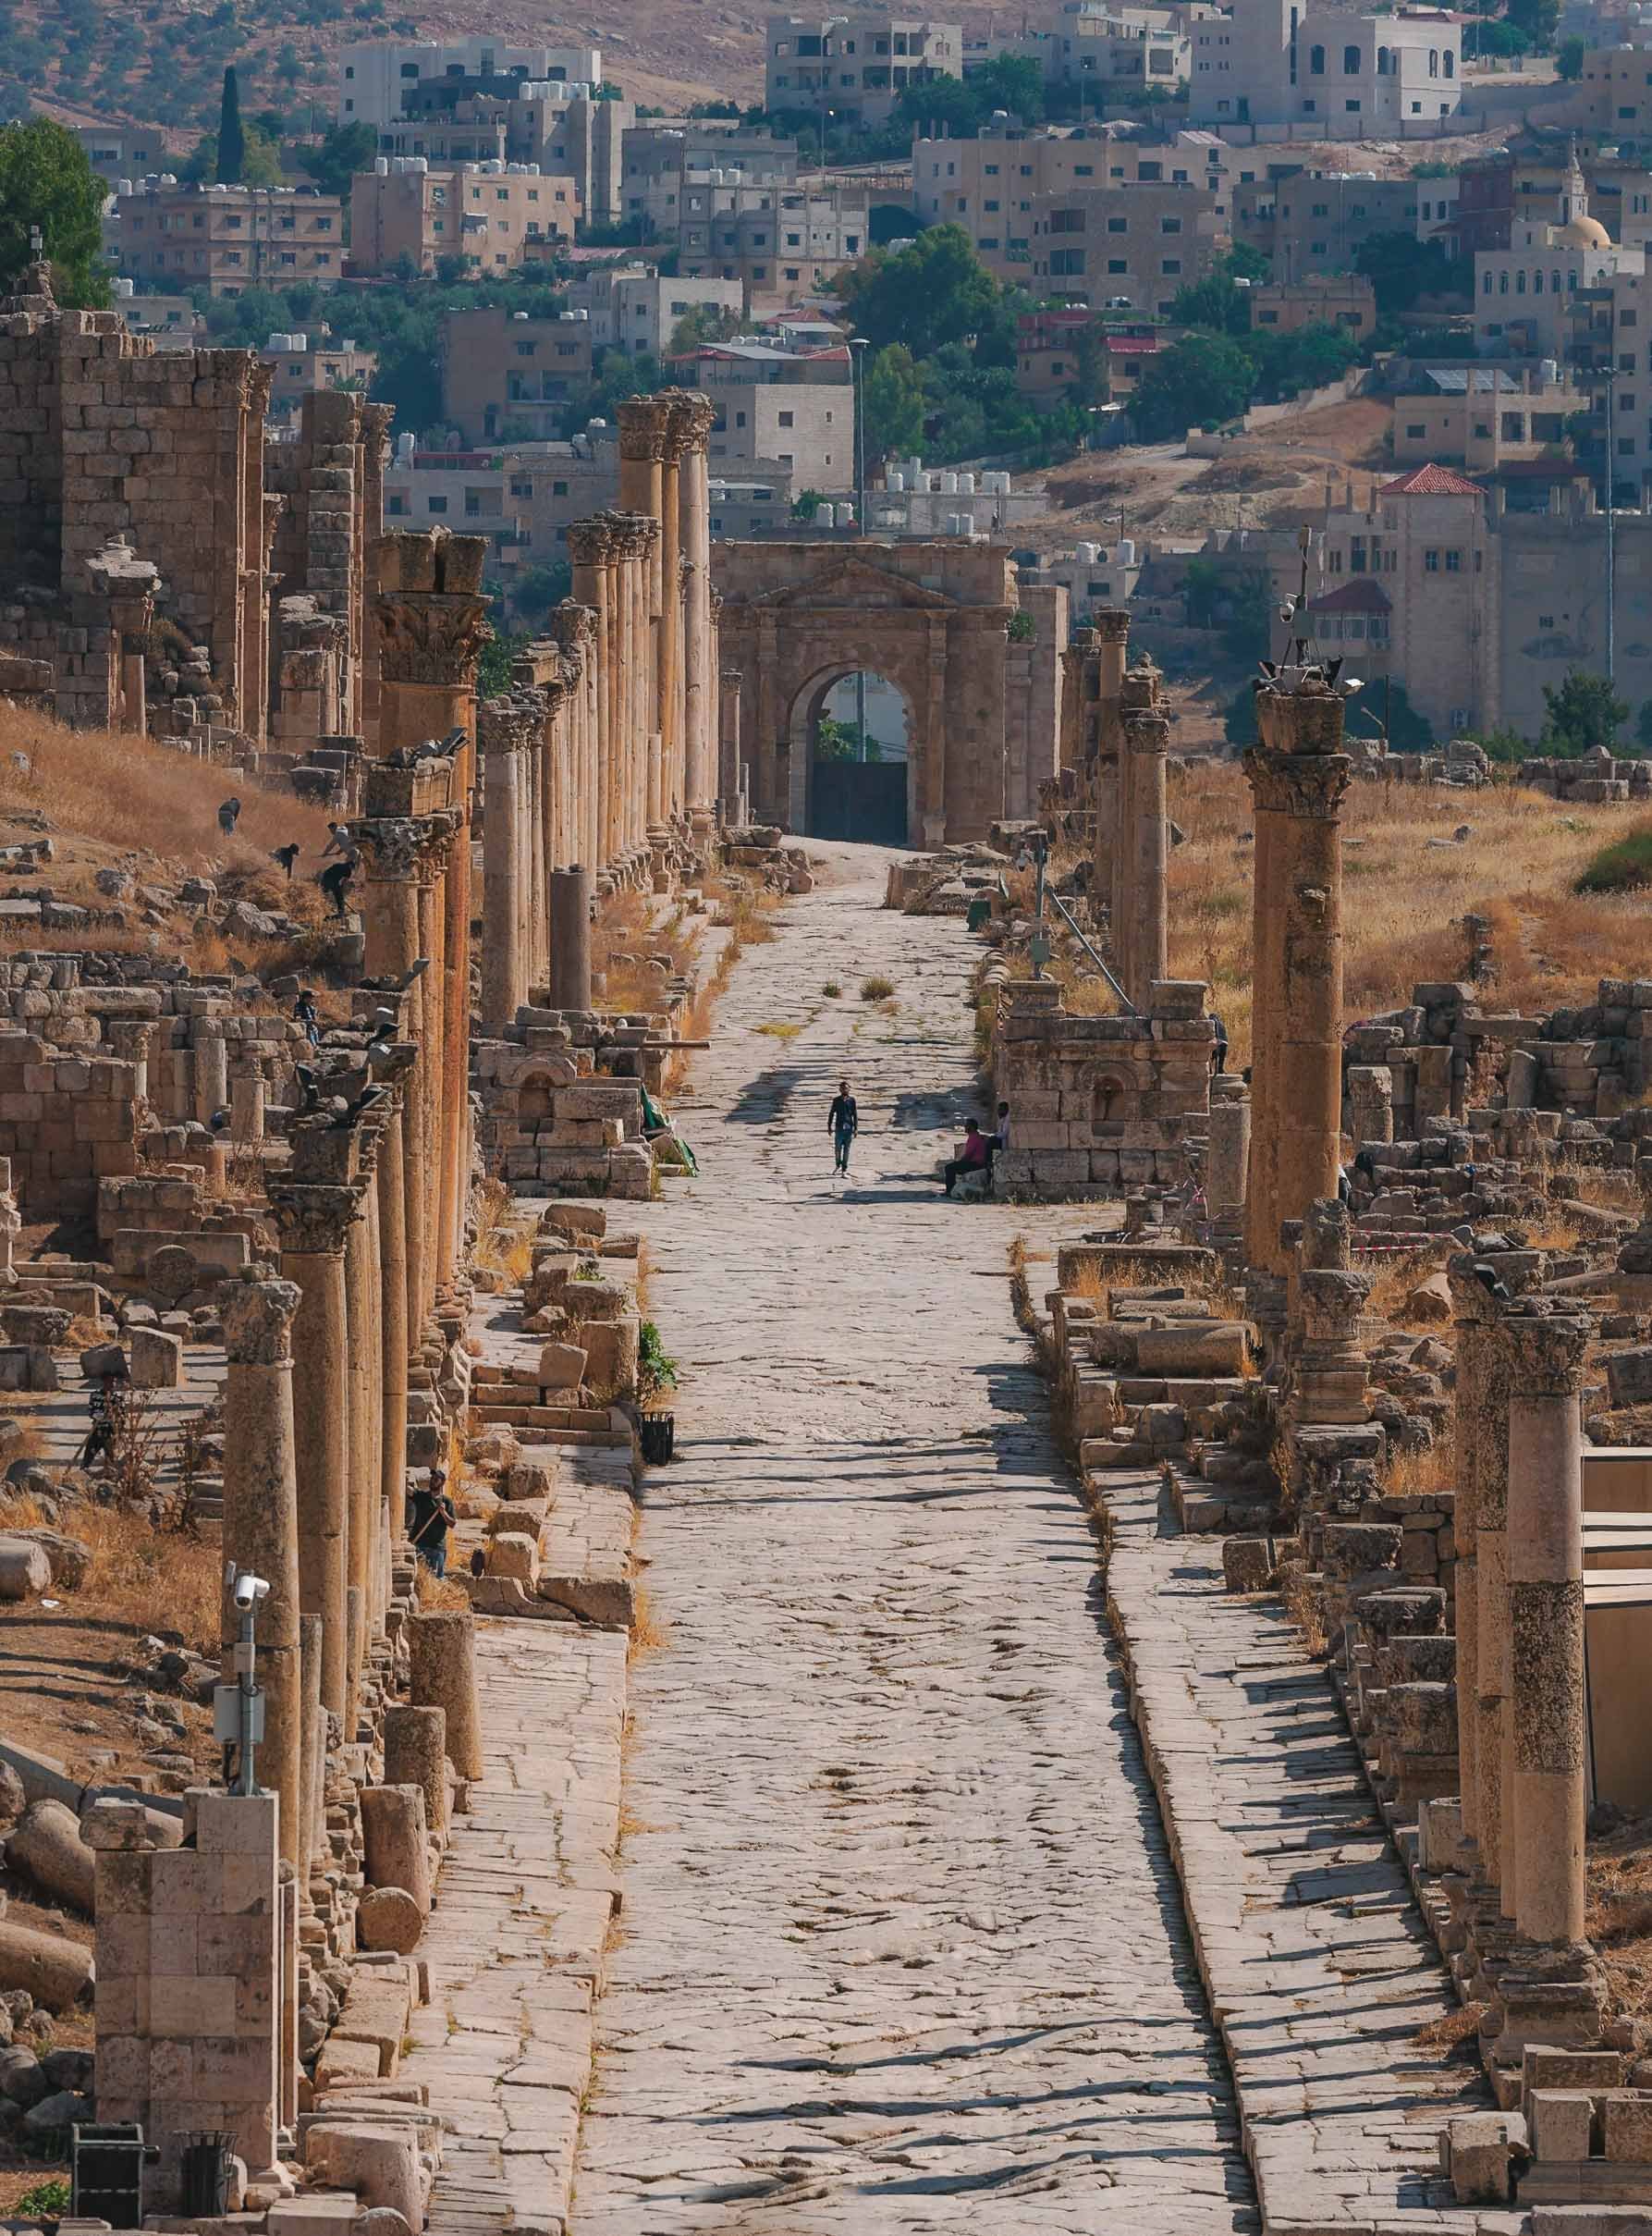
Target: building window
788 419
1351 62
1317 62
435 504
1453 563
1431 562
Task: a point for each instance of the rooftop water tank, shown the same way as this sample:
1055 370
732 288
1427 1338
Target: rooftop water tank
381 165
1127 551
825 516
895 482
1087 554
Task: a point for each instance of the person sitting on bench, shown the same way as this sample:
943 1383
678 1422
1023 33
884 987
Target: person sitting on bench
973 1158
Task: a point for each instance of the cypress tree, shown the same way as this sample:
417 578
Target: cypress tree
232 140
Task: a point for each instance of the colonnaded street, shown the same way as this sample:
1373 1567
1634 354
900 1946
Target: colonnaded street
902 1947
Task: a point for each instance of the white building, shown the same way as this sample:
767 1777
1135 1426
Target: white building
375 75
634 309
860 63
1523 294
1267 62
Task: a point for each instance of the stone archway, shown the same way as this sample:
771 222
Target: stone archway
877 803
933 620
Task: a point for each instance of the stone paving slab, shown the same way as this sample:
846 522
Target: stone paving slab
517 1941
903 1950
1318 1965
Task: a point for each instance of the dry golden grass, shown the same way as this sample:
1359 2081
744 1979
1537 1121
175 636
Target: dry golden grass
1423 1474
1619 1914
436 1593
1097 1284
650 1632
1403 899
504 1244
131 793
154 1580
1394 1281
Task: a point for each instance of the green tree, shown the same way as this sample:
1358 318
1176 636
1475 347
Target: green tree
1408 731
1583 713
703 324
45 180
1401 268
1199 382
1569 60
944 103
1010 81
232 144
935 291
260 161
540 587
1536 21
1642 728
347 149
892 404
836 741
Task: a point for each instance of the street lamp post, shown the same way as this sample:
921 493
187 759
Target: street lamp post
857 349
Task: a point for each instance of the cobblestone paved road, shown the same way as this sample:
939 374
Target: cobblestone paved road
903 1948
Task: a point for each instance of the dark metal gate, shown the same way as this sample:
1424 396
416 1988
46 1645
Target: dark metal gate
860 799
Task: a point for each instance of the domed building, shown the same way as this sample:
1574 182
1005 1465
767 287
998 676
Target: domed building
1522 293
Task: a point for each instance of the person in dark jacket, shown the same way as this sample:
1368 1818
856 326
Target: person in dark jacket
430 1514
843 1123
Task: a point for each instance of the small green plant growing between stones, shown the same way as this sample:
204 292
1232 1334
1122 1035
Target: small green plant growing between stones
657 1371
876 989
831 989
44 2200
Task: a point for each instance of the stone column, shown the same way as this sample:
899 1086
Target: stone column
393 1315
728 778
211 1067
247 1100
314 1218
507 905
365 1372
429 627
693 414
1146 741
1545 1797
1111 632
261 1524
643 434
1297 775
1228 1168
570 938
393 849
589 550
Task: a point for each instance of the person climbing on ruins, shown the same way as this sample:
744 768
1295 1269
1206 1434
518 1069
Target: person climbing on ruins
430 1514
843 1123
288 856
1219 1047
975 1157
304 1011
334 882
229 815
339 841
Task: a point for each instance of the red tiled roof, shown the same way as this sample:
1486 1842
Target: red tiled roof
1131 345
1362 595
1432 481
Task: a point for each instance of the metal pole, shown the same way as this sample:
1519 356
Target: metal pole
1611 541
246 1779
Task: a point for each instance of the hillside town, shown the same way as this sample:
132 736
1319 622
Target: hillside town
825 1121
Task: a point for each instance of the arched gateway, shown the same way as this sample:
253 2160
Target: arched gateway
983 708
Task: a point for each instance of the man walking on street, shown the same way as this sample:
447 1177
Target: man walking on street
843 1123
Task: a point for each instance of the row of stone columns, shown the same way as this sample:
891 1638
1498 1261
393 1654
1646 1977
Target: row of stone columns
1140 922
664 476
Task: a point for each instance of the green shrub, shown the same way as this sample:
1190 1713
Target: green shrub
1622 866
876 989
831 989
45 2199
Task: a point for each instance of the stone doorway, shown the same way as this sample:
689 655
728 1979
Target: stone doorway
850 738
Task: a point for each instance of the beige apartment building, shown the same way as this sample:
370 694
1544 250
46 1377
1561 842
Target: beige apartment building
561 128
1613 95
1483 417
123 150
781 239
1308 220
506 378
1484 601
632 308
858 65
1128 248
404 213
792 409
300 362
1321 300
993 185
1270 62
227 238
